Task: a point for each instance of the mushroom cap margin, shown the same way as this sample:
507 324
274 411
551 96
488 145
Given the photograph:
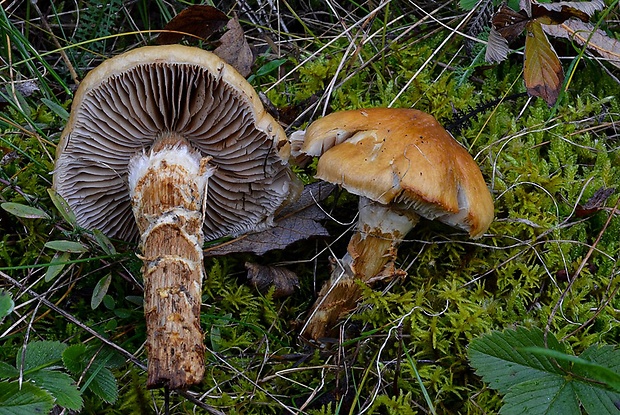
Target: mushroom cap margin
404 158
280 183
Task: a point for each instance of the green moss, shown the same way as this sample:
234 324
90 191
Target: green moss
540 163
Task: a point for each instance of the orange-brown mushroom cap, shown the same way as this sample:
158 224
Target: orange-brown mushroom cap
402 157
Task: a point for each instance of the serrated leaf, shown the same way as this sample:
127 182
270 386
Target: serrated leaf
103 384
7 371
66 246
98 379
6 304
27 400
497 47
63 208
61 386
608 356
497 358
72 358
40 354
103 242
597 401
101 289
57 264
24 211
547 380
547 395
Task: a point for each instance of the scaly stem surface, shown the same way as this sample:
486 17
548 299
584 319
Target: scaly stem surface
167 189
370 256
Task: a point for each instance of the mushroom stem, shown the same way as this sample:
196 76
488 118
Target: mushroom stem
370 256
167 188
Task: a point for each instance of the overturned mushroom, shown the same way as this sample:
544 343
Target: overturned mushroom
179 138
403 165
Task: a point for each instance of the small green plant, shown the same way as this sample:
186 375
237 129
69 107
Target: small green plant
6 304
537 376
37 382
543 166
47 374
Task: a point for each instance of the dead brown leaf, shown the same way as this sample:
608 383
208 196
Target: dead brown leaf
542 70
595 203
296 222
199 21
234 48
263 278
584 33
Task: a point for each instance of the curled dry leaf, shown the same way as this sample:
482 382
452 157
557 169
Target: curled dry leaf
298 221
263 277
596 202
234 48
579 9
200 21
542 72
586 34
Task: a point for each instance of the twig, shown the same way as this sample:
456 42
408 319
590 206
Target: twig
61 50
129 356
582 265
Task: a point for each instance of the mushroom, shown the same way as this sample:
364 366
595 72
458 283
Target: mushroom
404 166
172 145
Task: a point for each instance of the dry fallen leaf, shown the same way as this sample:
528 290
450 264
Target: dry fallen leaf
234 48
199 21
542 70
596 202
263 277
296 222
584 33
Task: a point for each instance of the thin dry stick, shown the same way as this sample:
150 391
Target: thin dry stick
128 355
580 268
435 52
73 320
63 55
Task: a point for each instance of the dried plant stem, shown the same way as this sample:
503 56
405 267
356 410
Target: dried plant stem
129 356
61 50
582 265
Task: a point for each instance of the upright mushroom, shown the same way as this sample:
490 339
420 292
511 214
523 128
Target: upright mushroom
403 165
179 138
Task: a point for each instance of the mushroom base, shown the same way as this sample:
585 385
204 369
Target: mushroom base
167 190
370 257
